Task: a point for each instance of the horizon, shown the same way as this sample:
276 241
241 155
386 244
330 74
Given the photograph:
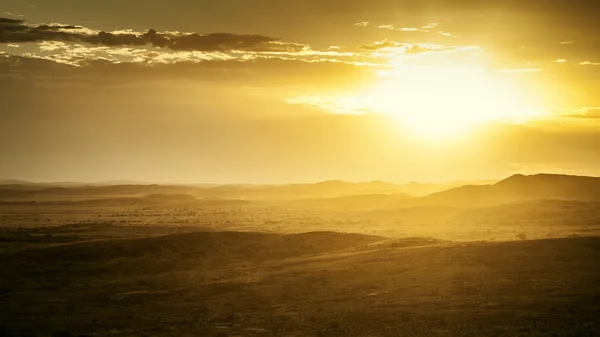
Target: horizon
337 168
141 183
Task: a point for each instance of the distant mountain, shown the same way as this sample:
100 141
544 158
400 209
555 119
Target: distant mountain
517 188
326 189
75 192
120 182
553 186
476 194
422 189
15 182
23 185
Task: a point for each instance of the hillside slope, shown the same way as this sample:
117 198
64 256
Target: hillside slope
517 188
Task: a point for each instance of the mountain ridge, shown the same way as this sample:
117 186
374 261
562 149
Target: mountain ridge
517 188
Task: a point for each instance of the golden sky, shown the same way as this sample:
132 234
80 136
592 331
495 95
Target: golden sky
271 91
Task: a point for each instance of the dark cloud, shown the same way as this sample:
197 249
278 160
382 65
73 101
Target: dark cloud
15 31
8 21
11 25
54 27
109 39
190 42
216 42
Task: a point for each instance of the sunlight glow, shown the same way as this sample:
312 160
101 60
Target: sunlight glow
440 101
435 101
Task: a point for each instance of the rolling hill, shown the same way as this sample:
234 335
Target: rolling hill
324 189
517 188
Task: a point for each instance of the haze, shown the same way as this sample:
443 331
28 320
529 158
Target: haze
319 168
297 91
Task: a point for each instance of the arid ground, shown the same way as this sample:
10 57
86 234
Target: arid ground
513 258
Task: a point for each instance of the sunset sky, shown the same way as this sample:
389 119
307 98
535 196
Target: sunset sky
282 91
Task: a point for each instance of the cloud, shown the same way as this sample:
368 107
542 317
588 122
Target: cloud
13 14
18 31
428 28
588 113
415 48
195 66
588 63
80 46
424 29
390 27
334 105
81 54
380 45
11 24
581 113
279 47
448 34
425 48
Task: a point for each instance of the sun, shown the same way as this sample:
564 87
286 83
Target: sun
436 101
441 101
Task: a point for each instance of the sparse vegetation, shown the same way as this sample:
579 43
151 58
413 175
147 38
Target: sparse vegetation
181 266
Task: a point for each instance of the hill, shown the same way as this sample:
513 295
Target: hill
159 200
335 193
214 248
517 188
326 189
252 284
417 189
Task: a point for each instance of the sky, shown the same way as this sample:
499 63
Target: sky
271 91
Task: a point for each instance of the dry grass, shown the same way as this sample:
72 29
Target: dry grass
316 284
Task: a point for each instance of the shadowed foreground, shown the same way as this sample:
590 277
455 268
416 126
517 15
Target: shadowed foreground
314 284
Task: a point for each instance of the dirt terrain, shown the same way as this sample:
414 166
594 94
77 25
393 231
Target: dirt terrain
356 265
313 284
